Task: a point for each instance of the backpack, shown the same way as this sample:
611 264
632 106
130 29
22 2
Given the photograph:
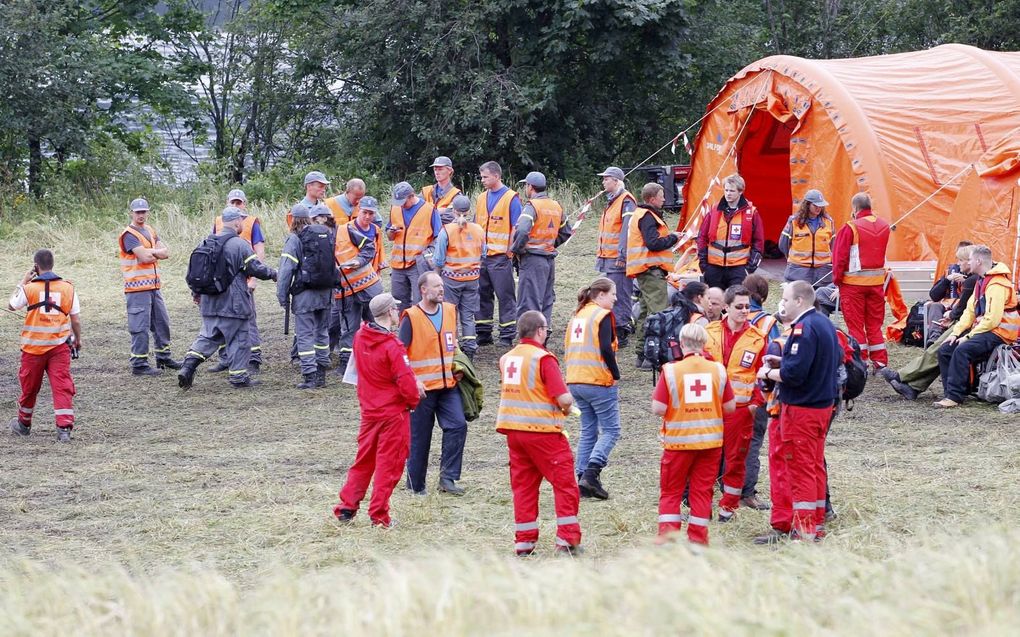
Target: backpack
317 269
207 268
913 331
662 332
854 366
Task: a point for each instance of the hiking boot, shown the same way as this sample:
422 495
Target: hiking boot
18 428
221 366
830 515
904 390
186 375
320 376
484 340
725 516
344 516
308 382
447 485
167 363
889 374
946 403
622 337
775 536
145 371
63 434
247 382
254 367
341 366
590 481
571 550
754 502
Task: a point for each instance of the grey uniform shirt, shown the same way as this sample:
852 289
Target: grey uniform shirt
241 262
131 241
306 300
629 206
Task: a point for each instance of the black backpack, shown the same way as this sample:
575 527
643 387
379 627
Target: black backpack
662 332
856 368
913 332
317 269
207 268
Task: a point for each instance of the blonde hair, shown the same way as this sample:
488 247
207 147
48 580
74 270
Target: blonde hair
963 252
736 181
693 337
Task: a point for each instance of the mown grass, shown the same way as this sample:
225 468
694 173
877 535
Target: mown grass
208 511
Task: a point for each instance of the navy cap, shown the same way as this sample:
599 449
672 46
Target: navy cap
401 192
369 203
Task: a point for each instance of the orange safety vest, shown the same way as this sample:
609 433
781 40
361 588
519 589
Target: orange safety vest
546 225
639 257
497 223
431 352
48 321
463 252
1008 328
138 277
247 227
764 322
352 280
340 216
745 358
690 268
811 248
732 243
581 351
694 415
410 242
871 252
611 226
445 201
524 402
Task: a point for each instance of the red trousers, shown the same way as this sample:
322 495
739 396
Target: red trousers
864 310
802 432
533 456
781 517
737 430
56 363
382 451
677 469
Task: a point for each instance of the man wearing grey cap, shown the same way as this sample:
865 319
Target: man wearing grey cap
140 250
355 250
441 195
611 254
413 227
315 191
225 316
541 228
458 260
807 241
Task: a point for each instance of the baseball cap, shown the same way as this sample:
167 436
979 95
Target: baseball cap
236 193
442 161
535 179
461 203
382 303
815 197
232 213
300 211
315 175
319 210
401 192
369 203
137 205
614 172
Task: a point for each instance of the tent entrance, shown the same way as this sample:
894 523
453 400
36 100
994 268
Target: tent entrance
763 159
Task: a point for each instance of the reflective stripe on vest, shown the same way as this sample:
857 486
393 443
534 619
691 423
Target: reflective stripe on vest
639 257
871 256
411 241
545 226
581 352
352 280
732 243
694 415
611 227
445 201
1008 328
811 248
46 328
744 361
496 222
524 402
431 352
138 277
463 252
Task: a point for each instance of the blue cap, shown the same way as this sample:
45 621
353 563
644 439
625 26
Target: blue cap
535 179
232 213
401 192
614 172
461 203
300 211
369 203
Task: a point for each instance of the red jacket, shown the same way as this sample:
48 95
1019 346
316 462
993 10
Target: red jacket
386 383
874 239
706 232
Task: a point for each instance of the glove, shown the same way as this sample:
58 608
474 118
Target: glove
753 262
703 265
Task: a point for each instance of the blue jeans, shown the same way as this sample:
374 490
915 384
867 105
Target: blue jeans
600 423
446 407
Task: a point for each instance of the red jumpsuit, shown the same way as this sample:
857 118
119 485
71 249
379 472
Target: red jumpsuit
862 292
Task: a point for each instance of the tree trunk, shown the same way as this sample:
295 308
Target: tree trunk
35 164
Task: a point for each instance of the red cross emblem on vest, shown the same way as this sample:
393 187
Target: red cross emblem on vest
512 370
697 388
577 331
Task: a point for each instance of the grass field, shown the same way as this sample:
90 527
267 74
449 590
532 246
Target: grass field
208 511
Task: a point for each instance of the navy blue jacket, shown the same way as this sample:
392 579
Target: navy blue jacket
810 360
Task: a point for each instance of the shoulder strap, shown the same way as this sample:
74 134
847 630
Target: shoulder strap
47 302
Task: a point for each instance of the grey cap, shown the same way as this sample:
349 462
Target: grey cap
401 192
369 203
382 303
137 205
815 197
236 193
461 203
232 213
614 172
300 211
320 210
535 179
442 161
315 175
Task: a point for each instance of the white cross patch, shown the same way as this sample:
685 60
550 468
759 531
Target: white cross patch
697 388
54 299
577 331
747 359
512 370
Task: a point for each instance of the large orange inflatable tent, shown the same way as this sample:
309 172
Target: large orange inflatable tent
899 127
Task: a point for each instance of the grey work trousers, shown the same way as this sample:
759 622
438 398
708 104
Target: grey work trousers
464 294
311 329
146 312
404 283
623 309
254 338
497 283
536 285
231 333
349 311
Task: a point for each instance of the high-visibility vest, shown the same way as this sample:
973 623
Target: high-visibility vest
772 404
763 321
47 325
431 352
352 280
340 216
463 252
639 257
810 248
546 225
611 227
445 201
138 277
730 243
871 237
496 223
246 231
744 361
524 402
694 414
1008 328
411 241
581 348
690 268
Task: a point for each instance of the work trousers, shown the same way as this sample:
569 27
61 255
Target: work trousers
781 514
956 360
536 285
752 466
56 364
923 370
231 333
447 407
600 423
496 283
818 276
146 312
464 294
311 329
534 456
623 309
695 470
347 313
802 432
717 276
863 309
382 452
404 283
254 338
737 429
654 298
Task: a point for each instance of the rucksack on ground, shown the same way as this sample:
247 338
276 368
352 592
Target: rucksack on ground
662 332
207 267
855 367
317 269
913 332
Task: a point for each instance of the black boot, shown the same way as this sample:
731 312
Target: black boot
320 376
308 382
167 363
341 366
222 366
590 481
187 372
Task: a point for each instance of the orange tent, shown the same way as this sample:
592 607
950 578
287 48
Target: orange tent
899 127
